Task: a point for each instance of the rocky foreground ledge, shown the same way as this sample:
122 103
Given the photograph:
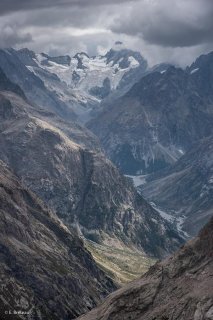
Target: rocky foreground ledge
178 288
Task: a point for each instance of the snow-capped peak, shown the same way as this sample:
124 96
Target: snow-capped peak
91 74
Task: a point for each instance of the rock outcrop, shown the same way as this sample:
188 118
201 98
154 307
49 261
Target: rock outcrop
178 288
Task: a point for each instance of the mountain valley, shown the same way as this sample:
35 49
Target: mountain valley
78 182
106 166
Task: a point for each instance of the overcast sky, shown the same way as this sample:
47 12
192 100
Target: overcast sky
174 31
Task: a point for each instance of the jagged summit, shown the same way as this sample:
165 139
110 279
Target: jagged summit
81 55
61 60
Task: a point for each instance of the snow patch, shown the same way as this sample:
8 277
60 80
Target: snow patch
93 72
133 62
176 221
181 151
194 70
137 180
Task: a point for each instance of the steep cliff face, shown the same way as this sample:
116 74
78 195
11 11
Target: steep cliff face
81 185
186 188
178 288
159 119
45 269
6 84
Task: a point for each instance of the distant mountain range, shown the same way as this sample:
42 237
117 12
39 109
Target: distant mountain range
71 87
74 87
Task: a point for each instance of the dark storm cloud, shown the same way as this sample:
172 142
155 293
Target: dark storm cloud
10 36
47 21
176 31
7 6
174 23
69 16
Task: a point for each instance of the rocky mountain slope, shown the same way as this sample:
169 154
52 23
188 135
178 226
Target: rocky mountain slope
186 188
178 288
46 272
80 184
159 119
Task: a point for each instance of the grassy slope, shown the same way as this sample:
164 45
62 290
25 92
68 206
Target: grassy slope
121 264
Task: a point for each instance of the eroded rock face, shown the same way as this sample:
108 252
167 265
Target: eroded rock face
178 288
45 269
159 119
67 170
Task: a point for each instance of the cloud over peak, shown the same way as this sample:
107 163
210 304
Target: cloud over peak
172 23
163 30
7 6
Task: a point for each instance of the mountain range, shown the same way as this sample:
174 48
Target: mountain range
63 164
75 87
71 87
106 166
